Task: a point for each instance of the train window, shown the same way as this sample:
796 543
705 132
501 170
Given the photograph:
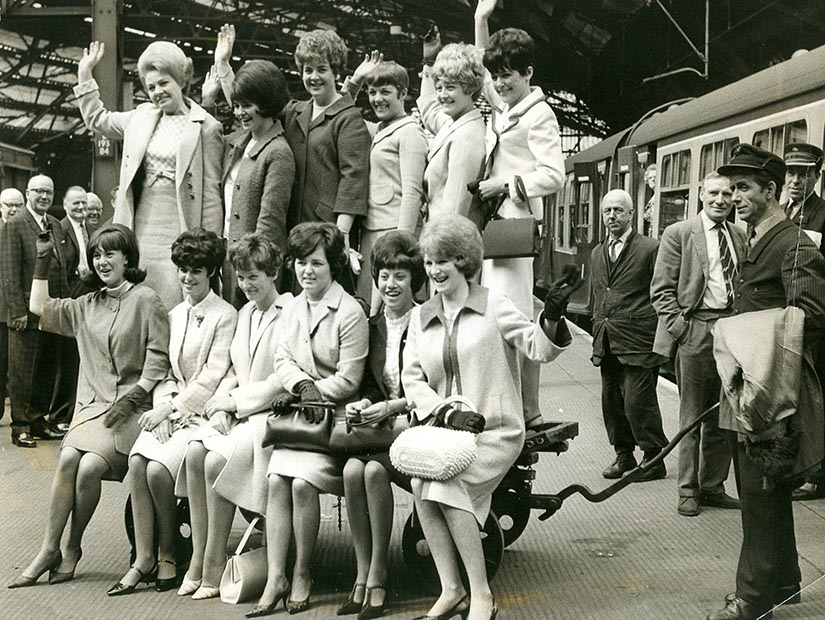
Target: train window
585 233
775 138
676 170
715 155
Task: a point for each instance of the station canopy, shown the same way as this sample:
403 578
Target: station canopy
603 62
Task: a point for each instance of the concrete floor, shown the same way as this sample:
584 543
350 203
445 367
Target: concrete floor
629 557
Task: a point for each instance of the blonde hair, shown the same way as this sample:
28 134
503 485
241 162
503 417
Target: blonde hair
321 45
166 57
462 64
453 237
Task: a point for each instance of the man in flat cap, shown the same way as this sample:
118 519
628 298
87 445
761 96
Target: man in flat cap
777 271
807 210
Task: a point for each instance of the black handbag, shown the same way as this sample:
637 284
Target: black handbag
292 430
352 437
511 238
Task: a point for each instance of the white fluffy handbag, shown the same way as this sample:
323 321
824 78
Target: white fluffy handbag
433 452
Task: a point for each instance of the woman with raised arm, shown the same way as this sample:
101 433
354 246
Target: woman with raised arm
457 341
122 336
201 328
170 172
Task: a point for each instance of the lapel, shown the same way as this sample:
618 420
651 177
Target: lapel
754 253
378 349
390 129
535 97
433 309
142 130
304 116
270 316
177 329
443 136
189 140
31 221
237 142
339 105
331 301
276 130
613 268
699 243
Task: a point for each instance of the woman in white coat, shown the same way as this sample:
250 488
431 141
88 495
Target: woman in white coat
170 171
457 341
225 463
200 330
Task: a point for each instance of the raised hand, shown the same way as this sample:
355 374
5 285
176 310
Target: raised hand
226 41
92 55
431 45
485 8
555 303
367 65
210 88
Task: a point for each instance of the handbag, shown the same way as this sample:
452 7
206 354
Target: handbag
511 238
244 576
294 431
434 452
377 435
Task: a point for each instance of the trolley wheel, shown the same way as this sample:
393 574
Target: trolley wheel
513 513
416 550
183 540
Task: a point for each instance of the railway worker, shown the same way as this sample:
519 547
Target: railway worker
624 324
806 209
779 270
692 287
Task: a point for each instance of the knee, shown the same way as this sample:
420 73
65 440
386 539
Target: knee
195 456
374 474
213 465
416 484
157 475
303 491
90 469
277 485
353 471
69 460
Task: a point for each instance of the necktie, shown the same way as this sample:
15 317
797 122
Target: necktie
613 250
85 234
728 266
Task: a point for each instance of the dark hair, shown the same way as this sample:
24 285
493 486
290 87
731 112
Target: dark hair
198 248
306 237
388 73
510 49
115 237
261 83
398 249
762 179
256 251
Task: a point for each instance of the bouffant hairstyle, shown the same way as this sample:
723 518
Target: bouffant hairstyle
199 248
510 49
322 45
256 251
114 237
460 63
166 57
398 249
261 83
306 237
388 73
455 238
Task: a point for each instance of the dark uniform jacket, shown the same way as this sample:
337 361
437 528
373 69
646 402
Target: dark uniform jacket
812 217
620 298
774 275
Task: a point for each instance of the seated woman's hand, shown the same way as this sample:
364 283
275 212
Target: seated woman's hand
282 405
464 421
150 419
355 409
222 421
373 412
219 402
163 430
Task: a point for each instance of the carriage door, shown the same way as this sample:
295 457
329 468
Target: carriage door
584 219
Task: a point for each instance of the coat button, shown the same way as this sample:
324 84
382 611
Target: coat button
237 216
192 196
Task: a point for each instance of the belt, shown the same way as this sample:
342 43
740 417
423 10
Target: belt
711 314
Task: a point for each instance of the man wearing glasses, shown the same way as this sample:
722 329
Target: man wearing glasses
11 201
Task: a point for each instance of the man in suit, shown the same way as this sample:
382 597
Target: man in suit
76 236
624 323
692 287
806 209
11 201
32 354
779 270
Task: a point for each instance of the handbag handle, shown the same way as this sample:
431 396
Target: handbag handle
456 399
246 535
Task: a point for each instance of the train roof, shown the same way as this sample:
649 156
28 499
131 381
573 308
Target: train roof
784 80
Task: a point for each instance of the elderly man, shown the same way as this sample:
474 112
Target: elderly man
32 354
94 211
624 323
692 287
780 269
11 201
76 237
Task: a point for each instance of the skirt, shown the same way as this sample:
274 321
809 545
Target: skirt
169 454
323 471
93 436
383 458
157 225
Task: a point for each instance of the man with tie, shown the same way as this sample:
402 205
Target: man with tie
11 201
32 354
692 287
76 237
624 323
780 269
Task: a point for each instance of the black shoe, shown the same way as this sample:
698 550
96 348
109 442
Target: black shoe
809 490
56 577
48 433
370 611
461 608
121 589
23 440
162 585
785 596
657 472
351 606
624 462
739 609
719 500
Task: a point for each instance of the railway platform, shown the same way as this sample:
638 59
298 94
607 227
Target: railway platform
630 557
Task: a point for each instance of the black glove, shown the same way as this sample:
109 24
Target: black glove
281 406
127 405
431 45
555 302
311 397
464 420
45 249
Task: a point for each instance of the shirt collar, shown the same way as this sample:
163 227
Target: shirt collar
624 237
40 219
761 229
476 302
709 223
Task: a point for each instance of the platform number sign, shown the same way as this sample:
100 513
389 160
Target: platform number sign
103 147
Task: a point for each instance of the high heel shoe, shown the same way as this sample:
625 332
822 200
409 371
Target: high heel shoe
24 581
266 610
461 608
56 577
351 606
297 607
121 589
163 585
189 586
205 592
369 611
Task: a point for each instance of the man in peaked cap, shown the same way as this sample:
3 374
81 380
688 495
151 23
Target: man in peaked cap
775 273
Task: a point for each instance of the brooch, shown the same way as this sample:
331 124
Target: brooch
199 319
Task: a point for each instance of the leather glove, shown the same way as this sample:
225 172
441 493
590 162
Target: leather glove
281 406
431 45
311 396
464 420
45 250
555 302
125 406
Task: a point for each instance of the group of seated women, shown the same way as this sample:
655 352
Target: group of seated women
181 401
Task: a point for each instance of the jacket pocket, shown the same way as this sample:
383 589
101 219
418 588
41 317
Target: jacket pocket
381 193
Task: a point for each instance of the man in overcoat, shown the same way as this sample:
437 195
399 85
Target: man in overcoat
781 269
624 324
11 201
692 287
